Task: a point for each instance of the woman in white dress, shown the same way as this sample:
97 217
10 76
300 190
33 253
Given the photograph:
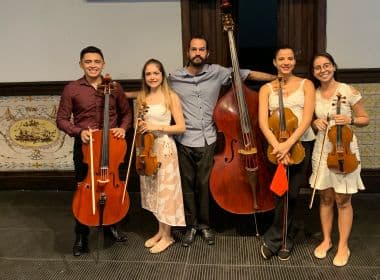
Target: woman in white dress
334 187
161 193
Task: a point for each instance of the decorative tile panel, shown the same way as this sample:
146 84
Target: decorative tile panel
29 137
369 136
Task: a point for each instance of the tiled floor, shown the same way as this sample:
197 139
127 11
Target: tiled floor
36 235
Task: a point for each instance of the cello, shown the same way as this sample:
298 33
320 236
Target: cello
341 159
101 199
239 180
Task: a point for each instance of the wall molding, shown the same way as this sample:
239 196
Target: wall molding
65 180
51 88
355 76
366 75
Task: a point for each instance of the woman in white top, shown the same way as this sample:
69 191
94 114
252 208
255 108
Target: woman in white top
299 97
333 186
161 193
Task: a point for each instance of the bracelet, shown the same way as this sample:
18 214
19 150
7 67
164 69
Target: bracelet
352 121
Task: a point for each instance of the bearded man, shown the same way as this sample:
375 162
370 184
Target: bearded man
198 85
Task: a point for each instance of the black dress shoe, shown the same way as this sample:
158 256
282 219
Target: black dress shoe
80 245
266 253
115 234
208 236
284 254
189 237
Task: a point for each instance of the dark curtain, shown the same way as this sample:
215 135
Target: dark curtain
301 24
204 17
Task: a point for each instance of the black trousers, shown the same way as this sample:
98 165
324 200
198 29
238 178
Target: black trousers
80 174
277 237
195 165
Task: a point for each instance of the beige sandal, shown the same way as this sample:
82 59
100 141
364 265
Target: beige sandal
158 248
151 242
341 262
321 254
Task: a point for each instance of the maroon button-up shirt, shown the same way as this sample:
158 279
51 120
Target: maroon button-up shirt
81 100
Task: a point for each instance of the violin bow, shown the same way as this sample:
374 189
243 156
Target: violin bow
319 164
130 159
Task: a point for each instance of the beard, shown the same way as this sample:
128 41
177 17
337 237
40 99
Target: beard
198 63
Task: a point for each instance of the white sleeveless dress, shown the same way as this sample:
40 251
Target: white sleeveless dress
342 183
162 193
295 102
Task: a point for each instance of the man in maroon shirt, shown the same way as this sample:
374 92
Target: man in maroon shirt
81 108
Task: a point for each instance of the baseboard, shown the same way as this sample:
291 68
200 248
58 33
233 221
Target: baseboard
65 180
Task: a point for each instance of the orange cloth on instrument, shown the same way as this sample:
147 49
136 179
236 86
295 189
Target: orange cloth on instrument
279 183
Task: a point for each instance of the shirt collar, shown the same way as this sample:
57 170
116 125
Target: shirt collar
205 69
83 81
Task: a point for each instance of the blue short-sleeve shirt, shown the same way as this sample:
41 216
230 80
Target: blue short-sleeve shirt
199 94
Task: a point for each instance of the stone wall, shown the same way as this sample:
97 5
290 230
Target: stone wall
369 136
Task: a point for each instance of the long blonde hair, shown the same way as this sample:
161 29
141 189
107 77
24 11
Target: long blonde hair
166 90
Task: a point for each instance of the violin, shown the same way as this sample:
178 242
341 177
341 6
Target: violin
341 159
101 198
146 159
283 123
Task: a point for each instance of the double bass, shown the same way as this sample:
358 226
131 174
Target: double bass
101 199
239 180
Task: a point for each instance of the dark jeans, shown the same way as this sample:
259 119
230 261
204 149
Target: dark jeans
274 237
195 165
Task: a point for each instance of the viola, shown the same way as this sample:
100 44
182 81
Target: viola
239 180
283 123
341 159
146 159
101 199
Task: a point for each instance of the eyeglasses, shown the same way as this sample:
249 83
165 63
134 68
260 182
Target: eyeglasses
325 66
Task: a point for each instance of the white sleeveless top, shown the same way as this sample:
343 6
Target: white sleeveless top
158 114
295 102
